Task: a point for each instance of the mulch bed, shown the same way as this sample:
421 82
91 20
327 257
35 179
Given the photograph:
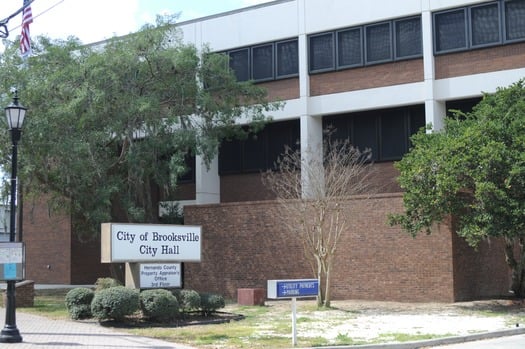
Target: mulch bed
190 319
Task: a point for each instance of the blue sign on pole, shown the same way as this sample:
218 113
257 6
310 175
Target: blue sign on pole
297 288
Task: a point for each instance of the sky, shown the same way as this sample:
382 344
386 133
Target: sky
95 20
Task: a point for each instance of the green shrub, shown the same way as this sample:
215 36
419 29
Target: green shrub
189 300
211 302
103 283
158 305
78 303
115 303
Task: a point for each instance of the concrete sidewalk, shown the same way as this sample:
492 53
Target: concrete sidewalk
43 333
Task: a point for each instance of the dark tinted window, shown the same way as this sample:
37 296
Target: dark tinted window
287 58
282 134
385 132
349 48
450 30
417 119
262 62
230 156
464 105
515 19
378 43
260 151
408 37
364 133
393 134
322 52
254 152
485 24
240 64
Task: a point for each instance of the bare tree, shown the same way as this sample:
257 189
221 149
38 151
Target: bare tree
313 192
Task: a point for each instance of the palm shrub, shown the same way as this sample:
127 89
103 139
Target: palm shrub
114 303
158 304
210 303
78 303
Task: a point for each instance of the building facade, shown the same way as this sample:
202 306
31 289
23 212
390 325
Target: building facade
376 71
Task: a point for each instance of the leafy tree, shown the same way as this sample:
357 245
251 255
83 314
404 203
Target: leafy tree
318 215
474 169
110 123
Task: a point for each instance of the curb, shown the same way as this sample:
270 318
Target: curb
434 342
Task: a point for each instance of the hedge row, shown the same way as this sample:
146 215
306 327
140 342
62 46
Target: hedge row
111 301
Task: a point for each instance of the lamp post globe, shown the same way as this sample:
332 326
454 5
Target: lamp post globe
15 115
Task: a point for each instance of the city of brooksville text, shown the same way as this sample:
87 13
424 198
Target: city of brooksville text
168 249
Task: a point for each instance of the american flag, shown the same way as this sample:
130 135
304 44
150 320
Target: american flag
25 38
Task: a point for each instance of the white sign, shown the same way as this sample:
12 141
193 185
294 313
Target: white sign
11 252
150 243
12 261
160 275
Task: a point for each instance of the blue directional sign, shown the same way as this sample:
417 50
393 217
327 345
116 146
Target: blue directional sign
293 288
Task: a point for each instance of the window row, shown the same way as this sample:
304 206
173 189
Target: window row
264 62
492 23
385 132
259 152
368 44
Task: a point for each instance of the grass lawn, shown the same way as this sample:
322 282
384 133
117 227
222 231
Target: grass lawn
270 326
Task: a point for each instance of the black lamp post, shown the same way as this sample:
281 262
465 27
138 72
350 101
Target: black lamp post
15 114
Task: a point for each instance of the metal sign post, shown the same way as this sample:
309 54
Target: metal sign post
294 321
302 288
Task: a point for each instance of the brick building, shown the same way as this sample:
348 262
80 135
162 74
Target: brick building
376 70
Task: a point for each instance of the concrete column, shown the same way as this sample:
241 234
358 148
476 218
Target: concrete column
207 181
311 153
435 111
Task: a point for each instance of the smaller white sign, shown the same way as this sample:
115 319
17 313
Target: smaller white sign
159 275
11 252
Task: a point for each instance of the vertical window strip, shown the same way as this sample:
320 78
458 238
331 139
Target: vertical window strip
287 59
263 62
240 64
322 52
450 30
485 25
349 48
378 43
514 20
408 38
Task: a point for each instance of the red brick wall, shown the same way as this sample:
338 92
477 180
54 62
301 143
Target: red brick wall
85 262
54 255
244 245
47 236
280 90
367 77
480 61
481 272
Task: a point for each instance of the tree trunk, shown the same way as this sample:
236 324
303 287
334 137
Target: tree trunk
320 293
328 293
516 264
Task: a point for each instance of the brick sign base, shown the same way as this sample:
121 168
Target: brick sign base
251 296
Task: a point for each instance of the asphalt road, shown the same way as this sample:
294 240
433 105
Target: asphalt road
510 342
